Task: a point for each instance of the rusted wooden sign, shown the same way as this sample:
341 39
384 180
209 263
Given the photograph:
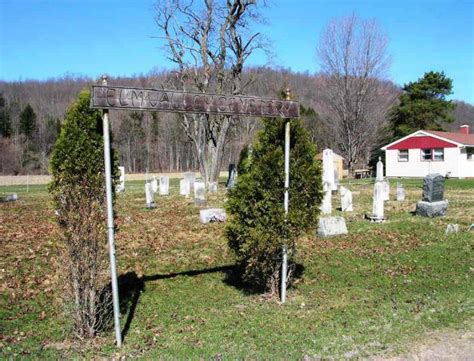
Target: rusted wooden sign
114 97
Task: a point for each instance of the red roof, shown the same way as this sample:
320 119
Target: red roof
465 139
421 142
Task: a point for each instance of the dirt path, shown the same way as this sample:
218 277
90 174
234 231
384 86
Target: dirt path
456 345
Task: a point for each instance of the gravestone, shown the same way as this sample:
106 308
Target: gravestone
452 228
191 178
378 203
328 168
150 201
164 185
11 197
184 187
326 204
433 188
154 185
331 226
212 215
433 203
379 173
400 192
121 185
336 178
386 190
231 178
346 199
199 193
213 187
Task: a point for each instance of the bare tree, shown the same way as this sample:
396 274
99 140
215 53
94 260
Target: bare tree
210 43
353 57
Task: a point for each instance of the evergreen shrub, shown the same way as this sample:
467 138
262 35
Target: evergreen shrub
257 229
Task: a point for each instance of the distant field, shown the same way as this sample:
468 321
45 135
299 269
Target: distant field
375 291
7 180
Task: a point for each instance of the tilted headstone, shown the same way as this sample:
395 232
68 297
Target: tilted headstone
400 192
121 184
150 201
433 203
331 226
154 185
212 187
231 178
212 215
164 185
346 199
199 193
191 178
433 188
326 204
378 202
184 187
386 190
379 174
328 169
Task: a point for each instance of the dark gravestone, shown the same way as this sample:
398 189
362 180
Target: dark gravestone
433 188
231 179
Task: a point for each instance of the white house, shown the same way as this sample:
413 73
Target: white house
429 151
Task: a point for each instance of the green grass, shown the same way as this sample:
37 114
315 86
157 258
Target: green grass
376 290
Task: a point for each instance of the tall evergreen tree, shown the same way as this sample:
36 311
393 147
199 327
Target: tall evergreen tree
78 191
423 105
257 227
28 121
5 121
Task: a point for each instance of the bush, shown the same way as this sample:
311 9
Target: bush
78 191
257 229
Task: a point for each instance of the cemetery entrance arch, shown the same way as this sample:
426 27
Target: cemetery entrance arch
107 97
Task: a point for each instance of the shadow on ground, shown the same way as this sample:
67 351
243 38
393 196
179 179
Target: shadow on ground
131 286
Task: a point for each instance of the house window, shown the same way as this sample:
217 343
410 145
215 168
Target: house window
403 155
470 153
438 154
426 154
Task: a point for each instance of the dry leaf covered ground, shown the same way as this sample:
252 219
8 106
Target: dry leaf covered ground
376 291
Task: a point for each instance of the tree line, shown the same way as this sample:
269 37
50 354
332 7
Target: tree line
349 105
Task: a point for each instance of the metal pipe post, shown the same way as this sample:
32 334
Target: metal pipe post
110 222
284 264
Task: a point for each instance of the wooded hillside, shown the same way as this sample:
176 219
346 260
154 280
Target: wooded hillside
156 140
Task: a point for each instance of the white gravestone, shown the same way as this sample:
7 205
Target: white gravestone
452 228
213 187
377 206
150 202
184 187
331 226
326 205
11 197
121 185
164 185
379 175
400 192
212 215
328 169
191 178
346 199
199 193
154 185
386 190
